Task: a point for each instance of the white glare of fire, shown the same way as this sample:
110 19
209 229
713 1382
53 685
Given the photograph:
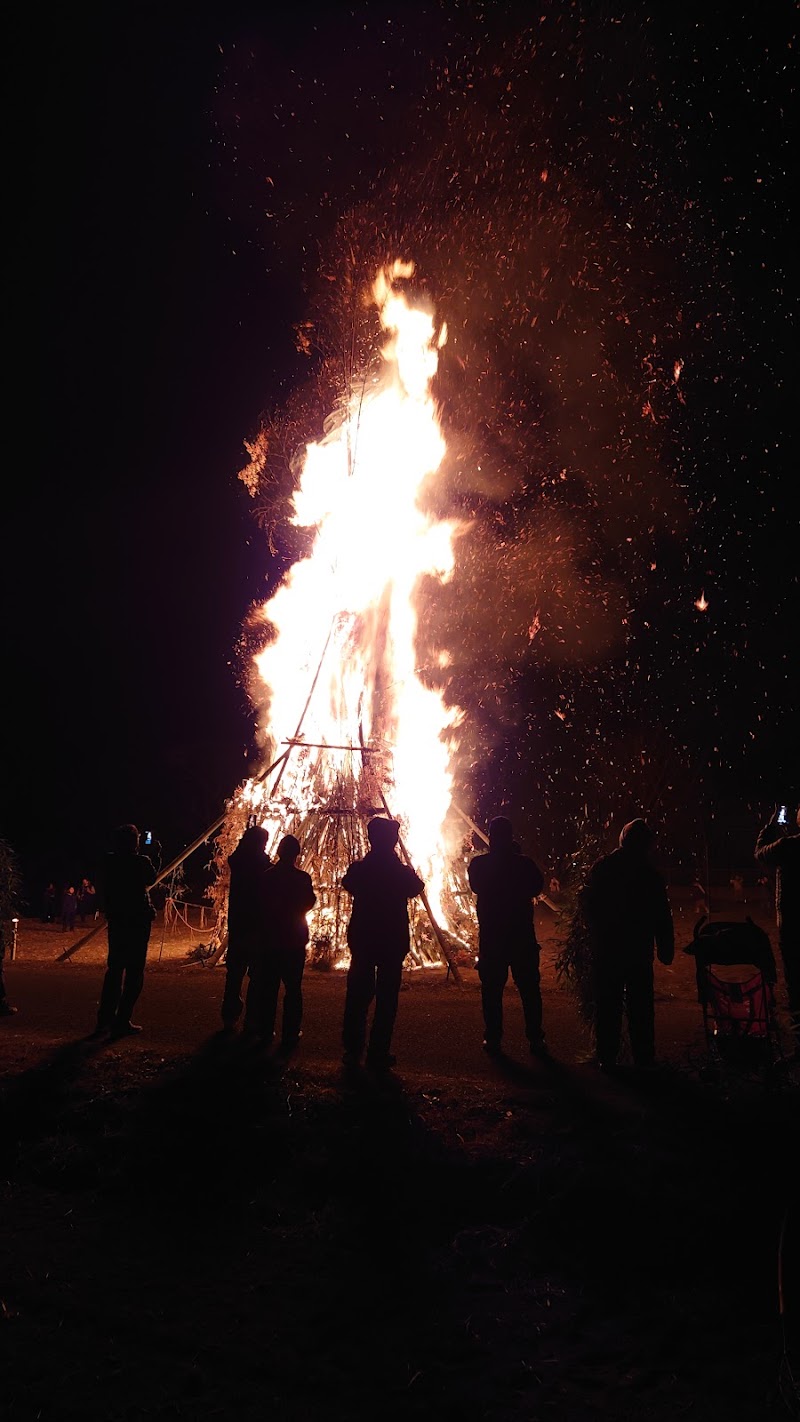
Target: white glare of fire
359 490
701 603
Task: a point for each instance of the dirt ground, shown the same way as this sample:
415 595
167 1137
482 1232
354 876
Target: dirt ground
193 1230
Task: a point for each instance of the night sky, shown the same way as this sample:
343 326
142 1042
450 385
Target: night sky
597 199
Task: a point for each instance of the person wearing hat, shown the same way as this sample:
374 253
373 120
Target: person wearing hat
287 896
378 938
505 883
626 909
248 865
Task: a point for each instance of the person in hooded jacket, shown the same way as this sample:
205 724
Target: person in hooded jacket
505 883
627 911
378 938
248 866
129 912
778 846
288 896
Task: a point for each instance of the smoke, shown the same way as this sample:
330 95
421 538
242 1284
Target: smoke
541 189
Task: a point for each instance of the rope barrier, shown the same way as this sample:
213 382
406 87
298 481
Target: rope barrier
173 914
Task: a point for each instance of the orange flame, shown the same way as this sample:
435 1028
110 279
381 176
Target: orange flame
341 670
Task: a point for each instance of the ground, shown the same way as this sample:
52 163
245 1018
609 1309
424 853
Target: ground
192 1230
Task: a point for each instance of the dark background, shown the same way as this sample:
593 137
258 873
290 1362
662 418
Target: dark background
189 166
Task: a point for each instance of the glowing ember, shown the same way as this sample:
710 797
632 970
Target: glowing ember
701 603
365 732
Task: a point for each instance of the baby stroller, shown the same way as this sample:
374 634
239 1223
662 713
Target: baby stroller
736 977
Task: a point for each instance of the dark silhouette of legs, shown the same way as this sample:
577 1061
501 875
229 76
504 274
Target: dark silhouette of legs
124 977
235 968
262 996
133 984
110 993
609 986
387 988
640 1009
359 995
292 975
493 974
525 972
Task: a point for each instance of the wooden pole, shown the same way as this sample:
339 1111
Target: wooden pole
69 952
478 831
293 740
173 864
447 958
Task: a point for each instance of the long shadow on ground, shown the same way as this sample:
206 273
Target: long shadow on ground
235 1236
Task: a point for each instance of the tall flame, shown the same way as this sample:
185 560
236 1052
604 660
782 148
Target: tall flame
341 670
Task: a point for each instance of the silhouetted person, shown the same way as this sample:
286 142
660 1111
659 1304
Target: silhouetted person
779 846
69 908
378 938
87 900
700 899
129 912
6 1010
49 900
248 866
288 897
505 883
627 911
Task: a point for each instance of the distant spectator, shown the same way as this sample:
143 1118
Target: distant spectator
554 889
49 904
6 1010
737 885
69 908
10 885
700 900
87 901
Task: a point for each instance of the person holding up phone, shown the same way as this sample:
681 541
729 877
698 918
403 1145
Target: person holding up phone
778 845
129 910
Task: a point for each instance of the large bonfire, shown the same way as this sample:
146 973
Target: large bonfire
351 728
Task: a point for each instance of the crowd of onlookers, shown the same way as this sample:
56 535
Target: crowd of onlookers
623 905
70 904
